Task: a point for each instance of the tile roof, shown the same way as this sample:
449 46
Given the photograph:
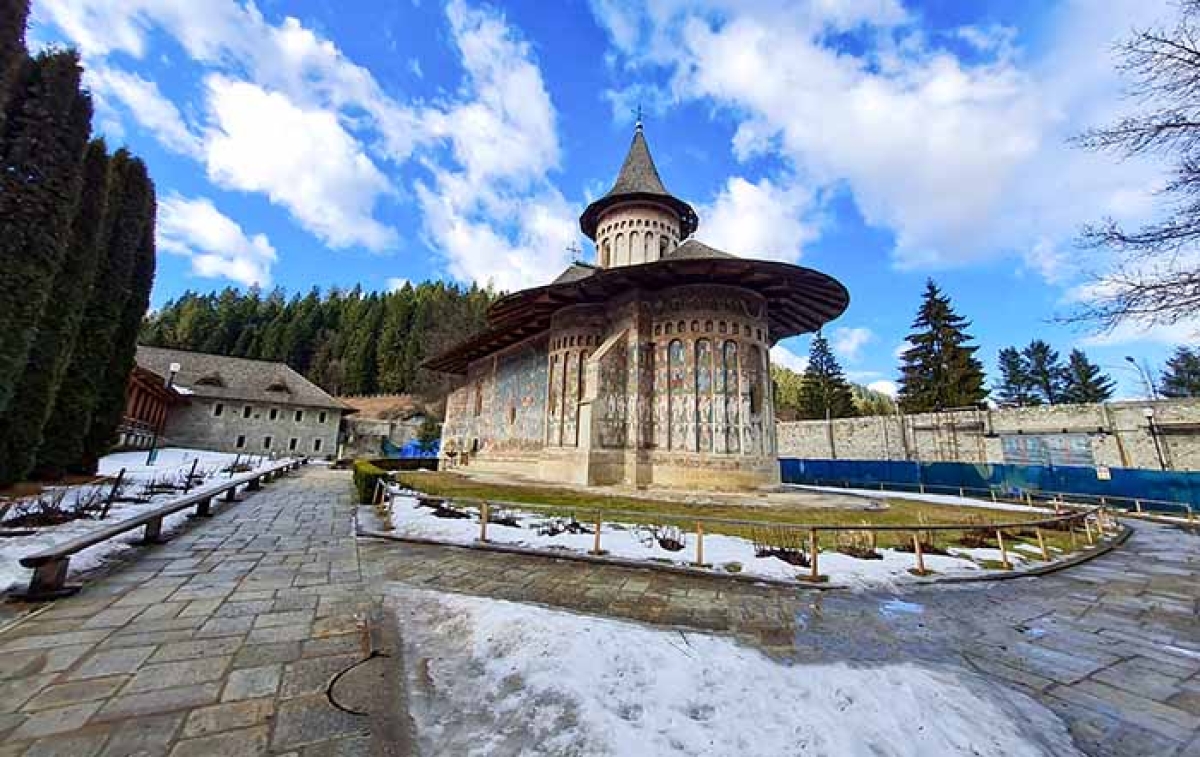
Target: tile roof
236 378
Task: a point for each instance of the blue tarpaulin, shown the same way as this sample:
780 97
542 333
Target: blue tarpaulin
409 449
1122 483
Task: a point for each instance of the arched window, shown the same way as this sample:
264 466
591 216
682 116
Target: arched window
634 250
649 248
606 254
553 400
663 246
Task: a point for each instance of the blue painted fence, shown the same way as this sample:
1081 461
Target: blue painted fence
1127 484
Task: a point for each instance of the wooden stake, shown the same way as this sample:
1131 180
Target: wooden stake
1191 519
1042 544
1138 504
596 548
993 491
1071 530
699 543
483 521
920 556
814 549
1087 526
187 482
1004 563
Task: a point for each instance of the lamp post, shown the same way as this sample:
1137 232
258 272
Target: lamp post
1151 392
172 371
1149 413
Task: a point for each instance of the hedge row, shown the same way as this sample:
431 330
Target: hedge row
366 476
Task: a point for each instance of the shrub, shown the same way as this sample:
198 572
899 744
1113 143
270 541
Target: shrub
366 477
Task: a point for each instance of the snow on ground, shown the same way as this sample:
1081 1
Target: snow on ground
937 499
172 464
631 542
492 677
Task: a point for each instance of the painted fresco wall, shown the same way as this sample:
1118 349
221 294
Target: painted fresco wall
501 406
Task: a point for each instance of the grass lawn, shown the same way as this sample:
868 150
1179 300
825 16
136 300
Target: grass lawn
583 505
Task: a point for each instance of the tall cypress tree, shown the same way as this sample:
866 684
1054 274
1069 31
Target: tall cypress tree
824 391
22 427
136 230
1047 376
40 173
13 16
940 370
1015 388
1084 381
1182 375
74 408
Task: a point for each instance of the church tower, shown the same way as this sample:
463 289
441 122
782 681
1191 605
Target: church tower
638 220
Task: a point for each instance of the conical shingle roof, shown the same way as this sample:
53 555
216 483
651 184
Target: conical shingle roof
638 180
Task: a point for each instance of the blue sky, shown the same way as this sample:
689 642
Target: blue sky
321 143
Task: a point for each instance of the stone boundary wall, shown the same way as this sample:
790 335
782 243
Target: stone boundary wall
1116 434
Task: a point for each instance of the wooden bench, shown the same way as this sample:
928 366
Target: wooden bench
50 565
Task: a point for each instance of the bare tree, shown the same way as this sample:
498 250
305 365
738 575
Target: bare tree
1155 276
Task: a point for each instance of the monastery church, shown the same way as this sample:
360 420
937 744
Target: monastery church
649 368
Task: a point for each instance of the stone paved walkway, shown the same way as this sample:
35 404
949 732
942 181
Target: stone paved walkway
223 641
218 643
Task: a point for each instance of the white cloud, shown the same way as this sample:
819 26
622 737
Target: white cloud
217 246
759 220
961 159
147 105
899 350
848 342
781 355
301 158
396 283
885 387
494 216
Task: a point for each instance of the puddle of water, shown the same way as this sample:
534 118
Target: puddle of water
1031 632
895 608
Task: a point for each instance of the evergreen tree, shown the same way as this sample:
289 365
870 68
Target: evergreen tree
40 172
868 401
1084 380
1182 375
13 16
1045 370
824 392
77 401
134 229
787 385
940 370
22 427
1016 386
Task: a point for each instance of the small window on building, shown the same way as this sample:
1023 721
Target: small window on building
241 442
246 411
218 409
299 415
512 414
274 413
479 399
316 445
266 442
321 417
292 443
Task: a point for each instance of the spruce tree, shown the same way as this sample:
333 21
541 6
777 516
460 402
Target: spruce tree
22 427
1182 375
40 172
1047 376
136 230
75 406
824 393
1084 381
13 16
940 370
1015 388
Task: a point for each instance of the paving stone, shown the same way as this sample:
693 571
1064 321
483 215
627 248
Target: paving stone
277 634
146 736
278 619
229 717
225 626
183 673
191 650
251 683
311 719
256 655
109 662
80 744
18 691
74 692
60 720
31 662
166 700
244 743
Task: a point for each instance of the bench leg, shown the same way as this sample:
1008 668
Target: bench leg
231 495
153 533
203 509
254 485
49 581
